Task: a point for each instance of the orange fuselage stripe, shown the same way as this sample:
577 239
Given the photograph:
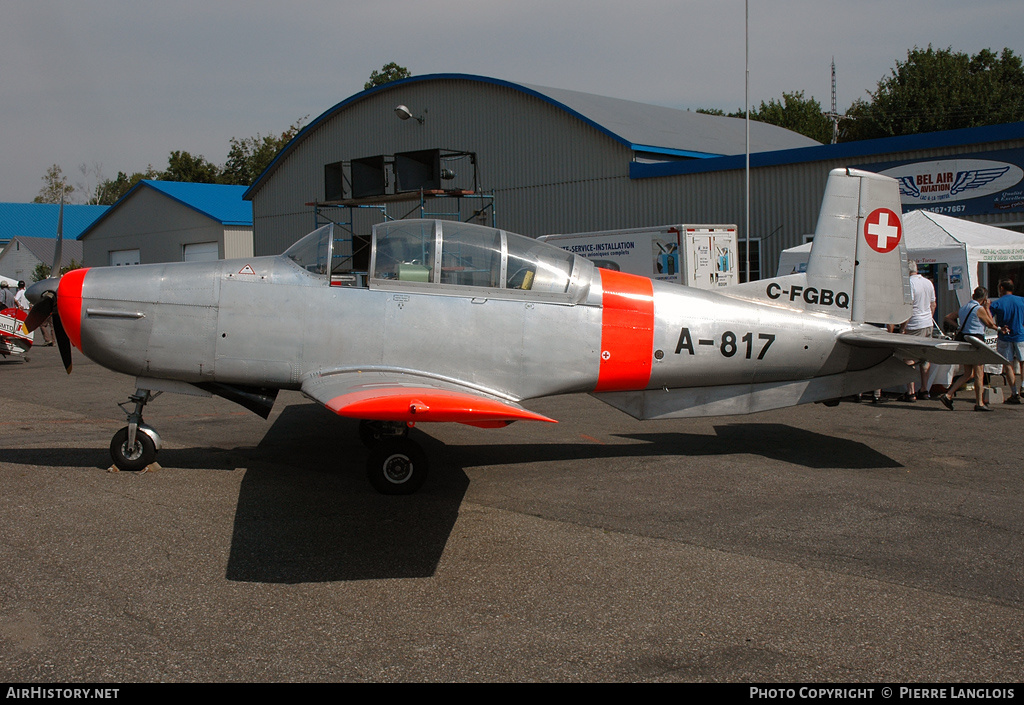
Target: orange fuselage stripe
627 332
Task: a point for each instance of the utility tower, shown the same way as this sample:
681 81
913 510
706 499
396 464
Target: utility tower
833 115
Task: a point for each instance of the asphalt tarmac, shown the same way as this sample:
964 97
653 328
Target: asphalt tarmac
860 543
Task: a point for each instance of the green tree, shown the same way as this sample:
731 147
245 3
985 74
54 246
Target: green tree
42 271
793 112
182 166
721 113
110 191
387 74
796 113
939 89
55 186
248 157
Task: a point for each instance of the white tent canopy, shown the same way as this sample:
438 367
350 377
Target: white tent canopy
931 238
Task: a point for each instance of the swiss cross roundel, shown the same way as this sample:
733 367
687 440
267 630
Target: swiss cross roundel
883 230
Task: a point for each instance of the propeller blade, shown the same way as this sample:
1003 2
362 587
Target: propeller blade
57 248
63 343
40 311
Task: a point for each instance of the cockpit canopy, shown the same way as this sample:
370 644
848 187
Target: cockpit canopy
449 256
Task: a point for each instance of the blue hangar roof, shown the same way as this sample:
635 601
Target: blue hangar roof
853 152
40 219
219 202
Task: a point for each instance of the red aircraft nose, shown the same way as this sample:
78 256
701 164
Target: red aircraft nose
69 304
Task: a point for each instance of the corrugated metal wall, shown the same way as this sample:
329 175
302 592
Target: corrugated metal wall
549 171
542 164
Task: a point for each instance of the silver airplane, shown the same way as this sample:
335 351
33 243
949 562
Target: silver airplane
456 322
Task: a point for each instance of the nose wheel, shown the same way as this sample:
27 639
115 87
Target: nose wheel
132 457
135 446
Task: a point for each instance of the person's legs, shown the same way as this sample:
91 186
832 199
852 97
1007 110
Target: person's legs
947 398
979 388
925 367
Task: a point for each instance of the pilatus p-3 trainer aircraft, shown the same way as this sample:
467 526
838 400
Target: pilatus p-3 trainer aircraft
462 323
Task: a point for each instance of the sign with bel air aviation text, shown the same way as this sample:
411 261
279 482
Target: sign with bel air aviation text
973 184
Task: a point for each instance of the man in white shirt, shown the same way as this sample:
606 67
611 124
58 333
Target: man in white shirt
920 323
19 298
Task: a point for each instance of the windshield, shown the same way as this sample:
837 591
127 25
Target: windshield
537 266
313 252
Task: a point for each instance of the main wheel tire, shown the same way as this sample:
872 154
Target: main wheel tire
397 466
135 458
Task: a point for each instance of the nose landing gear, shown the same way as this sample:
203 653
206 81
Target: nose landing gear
135 446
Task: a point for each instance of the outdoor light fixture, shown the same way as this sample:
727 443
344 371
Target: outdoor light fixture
404 113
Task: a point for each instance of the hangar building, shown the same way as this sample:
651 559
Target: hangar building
22 255
28 236
169 221
538 161
40 220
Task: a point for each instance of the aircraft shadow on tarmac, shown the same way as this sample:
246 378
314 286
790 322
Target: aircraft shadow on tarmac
773 441
306 513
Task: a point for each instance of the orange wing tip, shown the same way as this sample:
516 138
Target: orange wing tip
420 404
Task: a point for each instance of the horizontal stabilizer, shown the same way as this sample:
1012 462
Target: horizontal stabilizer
733 399
937 350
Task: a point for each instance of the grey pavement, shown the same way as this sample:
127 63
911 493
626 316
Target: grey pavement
860 543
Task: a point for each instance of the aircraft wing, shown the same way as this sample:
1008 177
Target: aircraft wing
937 350
407 397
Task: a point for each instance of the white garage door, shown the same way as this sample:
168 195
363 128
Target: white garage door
120 258
201 252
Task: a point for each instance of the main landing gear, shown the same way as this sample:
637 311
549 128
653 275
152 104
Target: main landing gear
135 446
397 465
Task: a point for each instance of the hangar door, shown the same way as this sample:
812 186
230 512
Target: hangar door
200 252
120 258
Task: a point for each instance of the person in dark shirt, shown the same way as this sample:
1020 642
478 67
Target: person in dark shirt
1008 310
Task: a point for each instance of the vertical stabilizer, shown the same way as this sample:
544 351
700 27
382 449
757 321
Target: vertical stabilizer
858 263
859 246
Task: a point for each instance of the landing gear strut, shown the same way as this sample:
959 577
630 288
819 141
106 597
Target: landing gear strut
135 446
373 432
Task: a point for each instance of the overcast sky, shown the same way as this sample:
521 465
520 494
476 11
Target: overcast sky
121 83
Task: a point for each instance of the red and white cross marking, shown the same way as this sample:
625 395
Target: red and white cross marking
883 230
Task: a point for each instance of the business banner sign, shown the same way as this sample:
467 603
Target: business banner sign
971 184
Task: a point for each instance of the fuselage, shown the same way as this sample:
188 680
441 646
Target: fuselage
268 322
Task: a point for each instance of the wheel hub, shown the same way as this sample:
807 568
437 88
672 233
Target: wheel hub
398 468
133 453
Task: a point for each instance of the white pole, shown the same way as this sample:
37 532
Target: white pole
746 104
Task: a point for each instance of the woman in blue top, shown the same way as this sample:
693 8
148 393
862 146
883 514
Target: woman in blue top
973 318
